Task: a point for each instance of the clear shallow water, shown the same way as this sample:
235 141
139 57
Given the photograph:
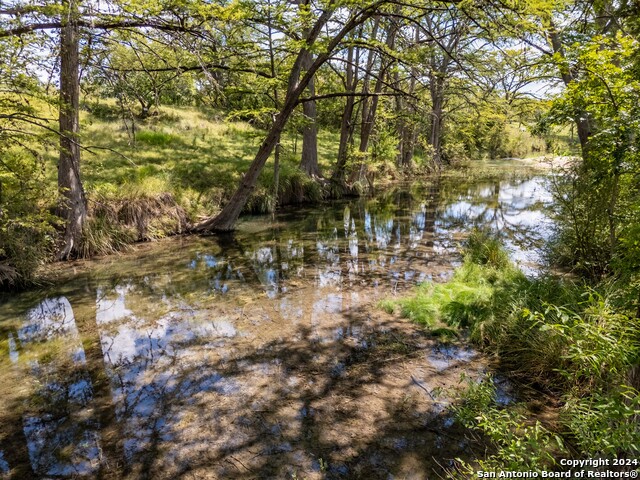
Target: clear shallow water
250 355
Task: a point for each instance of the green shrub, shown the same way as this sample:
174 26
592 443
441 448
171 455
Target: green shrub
515 443
156 138
27 233
483 248
294 187
564 337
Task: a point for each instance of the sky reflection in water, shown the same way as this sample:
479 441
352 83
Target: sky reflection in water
191 322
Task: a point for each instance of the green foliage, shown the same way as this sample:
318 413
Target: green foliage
494 130
294 187
600 344
467 299
27 231
482 248
598 201
569 339
516 443
135 75
461 302
157 139
387 305
605 423
26 244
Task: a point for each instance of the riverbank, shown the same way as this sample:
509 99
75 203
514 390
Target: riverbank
574 346
150 178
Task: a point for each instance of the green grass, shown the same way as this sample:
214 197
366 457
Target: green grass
190 153
190 147
563 338
467 300
180 165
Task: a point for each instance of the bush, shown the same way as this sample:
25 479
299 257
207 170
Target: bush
483 248
27 233
516 443
565 338
294 187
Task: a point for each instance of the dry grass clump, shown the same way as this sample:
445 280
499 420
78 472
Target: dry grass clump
8 274
115 223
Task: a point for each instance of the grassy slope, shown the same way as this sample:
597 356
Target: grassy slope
181 165
177 140
190 153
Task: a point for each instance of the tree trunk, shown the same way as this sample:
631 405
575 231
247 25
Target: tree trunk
366 101
227 218
276 105
370 109
583 124
435 133
309 160
74 206
346 124
436 89
405 108
369 119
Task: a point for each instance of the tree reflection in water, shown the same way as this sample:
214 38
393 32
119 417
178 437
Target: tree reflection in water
250 355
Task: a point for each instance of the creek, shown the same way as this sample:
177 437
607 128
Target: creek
261 354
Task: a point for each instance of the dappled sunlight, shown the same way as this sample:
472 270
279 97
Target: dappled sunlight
261 354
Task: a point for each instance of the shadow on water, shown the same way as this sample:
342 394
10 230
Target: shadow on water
257 355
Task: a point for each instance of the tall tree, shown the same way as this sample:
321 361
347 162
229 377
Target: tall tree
297 83
22 19
309 160
347 123
445 31
74 205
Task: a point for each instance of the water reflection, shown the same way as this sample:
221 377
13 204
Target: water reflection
515 209
226 352
62 393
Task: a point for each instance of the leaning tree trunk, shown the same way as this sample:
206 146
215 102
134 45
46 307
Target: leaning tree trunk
74 207
227 218
309 160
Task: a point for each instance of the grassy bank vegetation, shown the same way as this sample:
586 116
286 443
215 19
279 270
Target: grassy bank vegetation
147 178
578 344
143 181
